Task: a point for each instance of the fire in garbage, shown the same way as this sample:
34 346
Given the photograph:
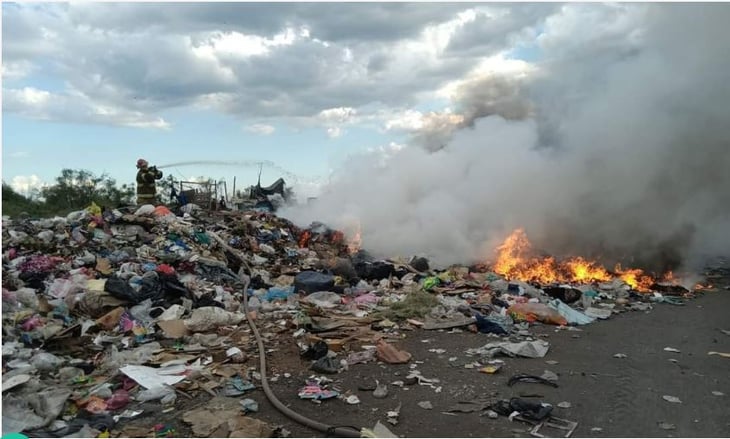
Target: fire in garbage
515 261
355 242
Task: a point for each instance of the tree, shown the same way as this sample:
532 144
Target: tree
76 189
15 203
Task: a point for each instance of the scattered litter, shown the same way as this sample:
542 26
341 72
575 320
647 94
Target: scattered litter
249 405
106 308
15 381
149 377
620 356
564 427
393 415
326 364
378 431
668 349
314 391
389 354
491 369
237 386
667 426
672 399
525 378
717 393
721 354
352 400
564 405
221 412
549 375
598 313
381 390
528 349
532 410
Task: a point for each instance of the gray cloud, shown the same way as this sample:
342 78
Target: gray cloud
148 57
327 21
496 24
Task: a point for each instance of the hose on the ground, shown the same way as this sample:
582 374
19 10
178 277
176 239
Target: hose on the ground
329 430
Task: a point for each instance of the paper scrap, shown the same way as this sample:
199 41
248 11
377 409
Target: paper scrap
149 377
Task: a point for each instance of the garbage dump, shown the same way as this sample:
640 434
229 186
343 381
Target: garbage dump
108 313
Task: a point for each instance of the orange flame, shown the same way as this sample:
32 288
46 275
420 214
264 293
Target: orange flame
354 244
635 277
304 239
585 271
514 262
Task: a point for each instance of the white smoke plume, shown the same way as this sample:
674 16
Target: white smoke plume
617 149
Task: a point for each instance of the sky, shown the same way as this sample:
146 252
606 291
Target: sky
301 86
434 128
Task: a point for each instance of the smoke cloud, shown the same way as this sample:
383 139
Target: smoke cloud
618 150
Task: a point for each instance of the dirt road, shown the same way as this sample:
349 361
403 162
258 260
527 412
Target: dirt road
623 397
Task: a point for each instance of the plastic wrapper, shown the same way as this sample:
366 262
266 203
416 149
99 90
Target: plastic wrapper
572 316
45 362
324 299
532 312
211 317
155 393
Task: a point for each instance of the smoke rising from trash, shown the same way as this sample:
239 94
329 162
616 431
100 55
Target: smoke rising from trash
619 154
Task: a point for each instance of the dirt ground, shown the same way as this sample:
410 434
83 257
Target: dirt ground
620 396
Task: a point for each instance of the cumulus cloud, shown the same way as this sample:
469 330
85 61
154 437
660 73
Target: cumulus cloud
27 184
603 151
74 107
16 70
253 61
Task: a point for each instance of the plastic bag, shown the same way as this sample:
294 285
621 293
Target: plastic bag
324 299
571 315
311 282
278 293
488 326
211 317
154 393
45 362
145 209
61 288
532 312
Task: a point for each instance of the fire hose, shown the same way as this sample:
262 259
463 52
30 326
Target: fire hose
330 430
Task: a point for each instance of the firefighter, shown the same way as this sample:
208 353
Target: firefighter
146 188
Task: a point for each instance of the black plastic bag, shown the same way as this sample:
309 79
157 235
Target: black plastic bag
121 289
316 351
326 365
531 410
311 282
566 294
487 326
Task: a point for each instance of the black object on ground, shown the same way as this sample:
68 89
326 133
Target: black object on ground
525 378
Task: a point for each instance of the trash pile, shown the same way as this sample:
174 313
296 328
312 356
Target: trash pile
110 314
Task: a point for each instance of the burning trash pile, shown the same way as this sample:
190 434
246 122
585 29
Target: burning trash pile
110 319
